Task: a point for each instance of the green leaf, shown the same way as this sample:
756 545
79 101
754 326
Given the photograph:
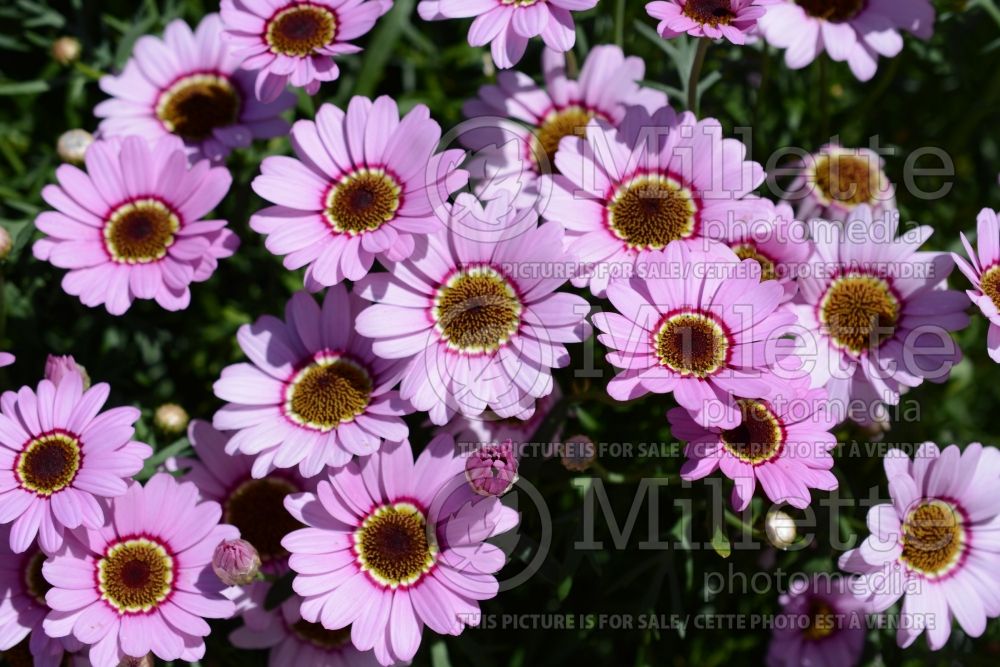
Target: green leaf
721 543
23 87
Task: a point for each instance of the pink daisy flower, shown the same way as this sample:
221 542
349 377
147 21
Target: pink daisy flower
6 359
296 41
22 608
189 84
507 25
60 458
479 324
294 641
625 192
836 180
873 312
937 545
366 184
255 506
701 326
314 394
776 240
731 19
824 625
143 582
131 228
393 545
784 443
511 154
855 31
983 271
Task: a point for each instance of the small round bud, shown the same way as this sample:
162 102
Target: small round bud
66 50
579 453
492 469
780 529
73 144
6 243
236 562
59 366
171 418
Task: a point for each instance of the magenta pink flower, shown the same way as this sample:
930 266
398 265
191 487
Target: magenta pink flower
511 154
477 316
625 192
143 582
855 31
366 184
507 25
492 468
314 394
874 312
256 507
22 608
131 228
836 180
821 625
6 359
776 240
937 545
983 271
700 325
294 641
393 545
60 458
296 41
59 366
731 19
189 85
783 442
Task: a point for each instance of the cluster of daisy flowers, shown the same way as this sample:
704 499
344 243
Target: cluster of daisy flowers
454 285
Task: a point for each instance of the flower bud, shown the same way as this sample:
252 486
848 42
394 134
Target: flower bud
579 453
73 144
236 562
492 469
6 243
66 50
59 366
171 418
780 529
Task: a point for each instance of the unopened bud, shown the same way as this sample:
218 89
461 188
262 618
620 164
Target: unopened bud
66 50
171 418
780 529
236 562
73 144
59 366
579 453
6 243
492 469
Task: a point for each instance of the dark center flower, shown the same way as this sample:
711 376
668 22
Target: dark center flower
49 463
257 508
990 284
860 312
569 122
848 179
768 268
710 12
140 231
330 391
692 343
35 584
135 575
934 538
363 201
301 29
649 212
835 11
197 104
477 310
822 620
759 438
393 545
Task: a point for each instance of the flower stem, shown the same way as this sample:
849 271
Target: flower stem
699 61
620 23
